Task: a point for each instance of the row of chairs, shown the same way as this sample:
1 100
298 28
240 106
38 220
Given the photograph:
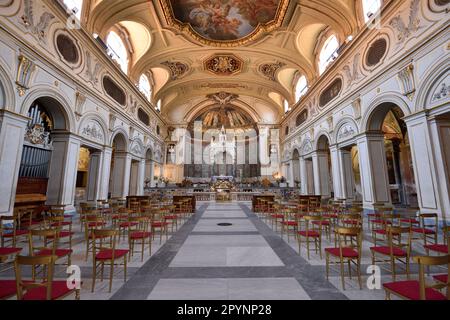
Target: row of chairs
102 225
392 237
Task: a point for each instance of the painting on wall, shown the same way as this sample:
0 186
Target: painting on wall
226 20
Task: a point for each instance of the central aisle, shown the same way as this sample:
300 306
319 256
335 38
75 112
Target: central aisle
240 261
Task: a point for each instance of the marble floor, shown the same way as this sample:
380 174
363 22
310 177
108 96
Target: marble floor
246 260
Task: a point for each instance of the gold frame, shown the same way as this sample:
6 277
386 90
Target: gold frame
261 29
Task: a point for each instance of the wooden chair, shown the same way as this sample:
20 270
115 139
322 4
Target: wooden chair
420 290
50 246
398 249
104 252
158 223
348 251
311 231
380 226
9 232
289 222
91 223
428 229
41 289
138 232
443 248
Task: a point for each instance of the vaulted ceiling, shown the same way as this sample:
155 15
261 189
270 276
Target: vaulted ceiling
188 65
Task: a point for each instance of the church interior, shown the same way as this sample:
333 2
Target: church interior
224 149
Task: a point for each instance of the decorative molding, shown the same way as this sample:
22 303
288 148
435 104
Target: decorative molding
223 98
136 149
407 82
177 69
80 100
25 69
269 70
39 29
442 92
93 68
352 73
37 135
345 132
330 123
93 131
223 85
307 147
224 64
405 31
356 105
133 104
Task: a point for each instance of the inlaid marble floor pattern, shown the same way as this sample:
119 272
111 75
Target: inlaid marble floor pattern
243 260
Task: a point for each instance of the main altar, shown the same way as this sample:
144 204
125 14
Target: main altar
222 186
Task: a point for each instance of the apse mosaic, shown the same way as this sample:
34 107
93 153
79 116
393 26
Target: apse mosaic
225 20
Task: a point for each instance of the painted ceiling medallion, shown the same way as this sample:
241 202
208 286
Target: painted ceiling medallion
224 65
225 22
177 69
269 70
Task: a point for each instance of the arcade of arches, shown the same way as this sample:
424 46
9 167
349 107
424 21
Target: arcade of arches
203 106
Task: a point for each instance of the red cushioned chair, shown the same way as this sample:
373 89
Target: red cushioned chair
49 248
420 290
9 232
8 289
398 249
159 224
6 254
277 216
138 233
428 229
438 248
380 226
289 224
348 251
311 232
91 223
44 288
105 253
171 218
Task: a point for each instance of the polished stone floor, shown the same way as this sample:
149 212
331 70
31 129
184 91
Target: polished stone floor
246 260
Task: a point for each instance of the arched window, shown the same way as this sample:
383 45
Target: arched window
75 6
286 106
301 88
145 87
117 50
370 8
158 105
328 53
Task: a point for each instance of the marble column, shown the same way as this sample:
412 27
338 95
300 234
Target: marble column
141 178
347 178
105 173
303 177
429 140
337 172
94 176
374 173
63 170
121 175
321 174
12 131
290 180
98 175
310 176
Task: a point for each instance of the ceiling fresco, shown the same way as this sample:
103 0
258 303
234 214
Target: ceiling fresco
218 22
